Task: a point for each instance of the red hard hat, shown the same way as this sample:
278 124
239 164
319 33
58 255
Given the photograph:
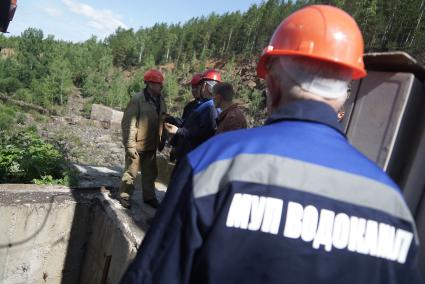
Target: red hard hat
196 79
211 74
319 32
153 75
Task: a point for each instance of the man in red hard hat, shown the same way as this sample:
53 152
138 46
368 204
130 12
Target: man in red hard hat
187 111
293 201
142 125
195 84
201 124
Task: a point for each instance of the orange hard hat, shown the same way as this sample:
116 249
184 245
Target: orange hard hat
319 32
196 79
211 74
153 75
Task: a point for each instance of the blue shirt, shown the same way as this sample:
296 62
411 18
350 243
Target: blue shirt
198 127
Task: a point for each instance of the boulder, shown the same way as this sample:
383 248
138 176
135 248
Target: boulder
106 115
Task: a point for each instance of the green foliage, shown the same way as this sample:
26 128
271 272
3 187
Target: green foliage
149 61
172 92
125 47
86 111
25 157
8 117
96 82
10 85
24 94
44 71
116 95
48 179
257 105
59 81
136 84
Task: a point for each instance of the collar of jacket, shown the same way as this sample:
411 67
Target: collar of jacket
149 97
223 114
307 110
201 101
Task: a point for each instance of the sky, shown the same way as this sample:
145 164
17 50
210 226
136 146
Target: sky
78 20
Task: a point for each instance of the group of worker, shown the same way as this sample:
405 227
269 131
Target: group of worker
289 202
211 112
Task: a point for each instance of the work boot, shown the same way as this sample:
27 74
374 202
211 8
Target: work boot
153 202
125 200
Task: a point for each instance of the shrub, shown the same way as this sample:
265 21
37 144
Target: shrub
86 111
7 117
26 158
10 85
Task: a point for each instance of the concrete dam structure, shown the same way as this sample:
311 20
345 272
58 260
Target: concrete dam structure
55 234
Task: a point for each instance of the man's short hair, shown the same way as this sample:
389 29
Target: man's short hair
320 78
225 90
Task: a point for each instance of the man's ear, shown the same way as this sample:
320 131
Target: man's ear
273 94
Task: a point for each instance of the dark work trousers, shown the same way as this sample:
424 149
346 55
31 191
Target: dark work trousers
146 162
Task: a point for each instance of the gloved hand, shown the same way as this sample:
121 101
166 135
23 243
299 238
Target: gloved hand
132 152
172 129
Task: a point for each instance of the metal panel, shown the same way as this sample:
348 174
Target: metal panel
378 113
413 185
413 182
385 120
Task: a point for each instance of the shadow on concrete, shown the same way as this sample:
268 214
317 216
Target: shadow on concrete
104 237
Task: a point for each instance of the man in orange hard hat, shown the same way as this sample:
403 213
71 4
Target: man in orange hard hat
293 201
142 127
202 122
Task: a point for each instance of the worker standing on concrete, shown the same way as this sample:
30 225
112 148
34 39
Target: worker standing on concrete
293 201
231 116
201 123
142 126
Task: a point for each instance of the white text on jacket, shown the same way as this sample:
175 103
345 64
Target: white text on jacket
322 228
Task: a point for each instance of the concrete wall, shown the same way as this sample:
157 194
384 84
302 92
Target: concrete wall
110 249
59 235
35 231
